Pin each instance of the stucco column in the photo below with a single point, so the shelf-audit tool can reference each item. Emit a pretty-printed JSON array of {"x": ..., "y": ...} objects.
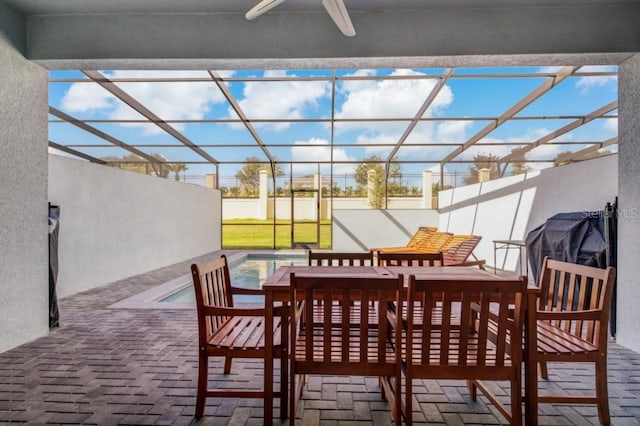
[
  {"x": 628, "y": 292},
  {"x": 371, "y": 187},
  {"x": 210, "y": 180},
  {"x": 484, "y": 175},
  {"x": 263, "y": 193},
  {"x": 427, "y": 190},
  {"x": 24, "y": 244}
]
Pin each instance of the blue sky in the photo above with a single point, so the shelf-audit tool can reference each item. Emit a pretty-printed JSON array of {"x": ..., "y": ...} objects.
[{"x": 362, "y": 99}]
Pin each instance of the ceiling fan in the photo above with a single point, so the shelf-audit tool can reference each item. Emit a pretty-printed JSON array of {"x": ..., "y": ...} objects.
[{"x": 335, "y": 8}]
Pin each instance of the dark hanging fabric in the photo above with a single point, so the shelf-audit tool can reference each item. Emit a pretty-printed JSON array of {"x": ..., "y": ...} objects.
[
  {"x": 54, "y": 228},
  {"x": 611, "y": 237}
]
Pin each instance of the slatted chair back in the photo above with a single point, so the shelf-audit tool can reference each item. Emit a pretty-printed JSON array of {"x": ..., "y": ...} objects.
[
  {"x": 333, "y": 346},
  {"x": 410, "y": 259},
  {"x": 568, "y": 287},
  {"x": 570, "y": 320},
  {"x": 459, "y": 248},
  {"x": 327, "y": 258},
  {"x": 422, "y": 233},
  {"x": 434, "y": 243},
  {"x": 212, "y": 284},
  {"x": 469, "y": 335}
]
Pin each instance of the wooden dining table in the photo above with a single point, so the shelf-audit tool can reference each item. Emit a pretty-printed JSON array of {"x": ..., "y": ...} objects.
[{"x": 277, "y": 290}]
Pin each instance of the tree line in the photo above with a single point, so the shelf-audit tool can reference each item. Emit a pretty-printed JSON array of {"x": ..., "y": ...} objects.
[{"x": 248, "y": 176}]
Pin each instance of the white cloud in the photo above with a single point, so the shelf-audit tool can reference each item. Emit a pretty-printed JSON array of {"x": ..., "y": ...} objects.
[
  {"x": 86, "y": 97},
  {"x": 431, "y": 133},
  {"x": 611, "y": 124},
  {"x": 598, "y": 68},
  {"x": 530, "y": 135},
  {"x": 549, "y": 70},
  {"x": 390, "y": 99},
  {"x": 168, "y": 100},
  {"x": 452, "y": 131},
  {"x": 280, "y": 100},
  {"x": 316, "y": 149},
  {"x": 588, "y": 82},
  {"x": 548, "y": 152}
]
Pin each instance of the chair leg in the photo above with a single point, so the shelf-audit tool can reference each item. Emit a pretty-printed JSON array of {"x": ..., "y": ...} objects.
[
  {"x": 292, "y": 398},
  {"x": 398, "y": 398},
  {"x": 516, "y": 399},
  {"x": 473, "y": 390},
  {"x": 544, "y": 373},
  {"x": 602, "y": 392},
  {"x": 203, "y": 375},
  {"x": 227, "y": 364},
  {"x": 531, "y": 391},
  {"x": 284, "y": 379},
  {"x": 408, "y": 395}
]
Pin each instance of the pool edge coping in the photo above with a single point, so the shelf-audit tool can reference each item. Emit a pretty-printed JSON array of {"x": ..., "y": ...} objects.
[{"x": 150, "y": 298}]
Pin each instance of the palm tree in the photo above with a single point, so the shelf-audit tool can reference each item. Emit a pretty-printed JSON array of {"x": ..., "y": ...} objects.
[{"x": 177, "y": 168}]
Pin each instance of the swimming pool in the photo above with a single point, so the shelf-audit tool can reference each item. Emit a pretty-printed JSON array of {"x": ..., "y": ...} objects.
[{"x": 249, "y": 272}]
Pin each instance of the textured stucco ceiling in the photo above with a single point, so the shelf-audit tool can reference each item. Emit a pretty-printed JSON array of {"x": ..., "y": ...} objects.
[{"x": 39, "y": 7}]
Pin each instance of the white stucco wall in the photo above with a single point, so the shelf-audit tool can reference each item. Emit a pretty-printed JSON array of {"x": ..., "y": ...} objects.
[
  {"x": 360, "y": 230},
  {"x": 24, "y": 284},
  {"x": 115, "y": 223},
  {"x": 508, "y": 208},
  {"x": 628, "y": 298},
  {"x": 238, "y": 208}
]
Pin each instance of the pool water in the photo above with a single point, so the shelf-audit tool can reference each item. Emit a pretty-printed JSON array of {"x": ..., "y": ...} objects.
[{"x": 251, "y": 272}]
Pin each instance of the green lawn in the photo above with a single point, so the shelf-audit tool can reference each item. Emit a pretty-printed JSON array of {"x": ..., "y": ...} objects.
[{"x": 245, "y": 234}]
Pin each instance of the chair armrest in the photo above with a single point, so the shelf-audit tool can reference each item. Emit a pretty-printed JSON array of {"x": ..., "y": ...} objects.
[
  {"x": 589, "y": 314},
  {"x": 244, "y": 312},
  {"x": 233, "y": 311},
  {"x": 247, "y": 291}
]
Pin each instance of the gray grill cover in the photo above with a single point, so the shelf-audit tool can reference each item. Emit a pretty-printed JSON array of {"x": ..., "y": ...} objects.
[{"x": 570, "y": 237}]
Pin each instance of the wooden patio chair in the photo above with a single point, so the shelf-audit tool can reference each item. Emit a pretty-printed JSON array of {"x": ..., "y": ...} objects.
[
  {"x": 410, "y": 259},
  {"x": 334, "y": 346},
  {"x": 328, "y": 258},
  {"x": 419, "y": 235},
  {"x": 231, "y": 332},
  {"x": 457, "y": 342},
  {"x": 571, "y": 319}
]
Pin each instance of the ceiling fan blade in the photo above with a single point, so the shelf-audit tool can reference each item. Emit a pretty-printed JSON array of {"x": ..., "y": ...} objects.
[
  {"x": 262, "y": 7},
  {"x": 338, "y": 12}
]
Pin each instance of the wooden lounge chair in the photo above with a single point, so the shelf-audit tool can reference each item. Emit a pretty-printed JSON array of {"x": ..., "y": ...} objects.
[
  {"x": 571, "y": 321},
  {"x": 422, "y": 233},
  {"x": 334, "y": 346},
  {"x": 456, "y": 343},
  {"x": 456, "y": 248},
  {"x": 458, "y": 251},
  {"x": 231, "y": 332},
  {"x": 432, "y": 243}
]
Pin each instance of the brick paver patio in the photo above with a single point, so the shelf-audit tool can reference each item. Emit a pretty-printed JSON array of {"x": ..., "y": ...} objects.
[{"x": 138, "y": 366}]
